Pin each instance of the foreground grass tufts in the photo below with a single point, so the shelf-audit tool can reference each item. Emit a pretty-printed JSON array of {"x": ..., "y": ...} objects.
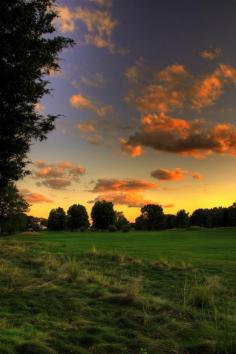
[{"x": 110, "y": 302}]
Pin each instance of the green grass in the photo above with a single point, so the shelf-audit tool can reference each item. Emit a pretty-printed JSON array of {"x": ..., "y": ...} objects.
[{"x": 110, "y": 293}]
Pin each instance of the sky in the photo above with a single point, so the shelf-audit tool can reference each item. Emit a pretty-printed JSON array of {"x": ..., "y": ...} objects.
[{"x": 147, "y": 105}]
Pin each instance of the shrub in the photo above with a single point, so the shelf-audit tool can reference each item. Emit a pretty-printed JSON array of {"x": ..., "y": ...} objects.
[
  {"x": 112, "y": 228},
  {"x": 126, "y": 228}
]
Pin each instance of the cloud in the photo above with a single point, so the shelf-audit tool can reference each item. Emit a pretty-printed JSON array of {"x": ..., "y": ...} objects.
[
  {"x": 99, "y": 23},
  {"x": 125, "y": 185},
  {"x": 65, "y": 21},
  {"x": 174, "y": 88},
  {"x": 196, "y": 138},
  {"x": 130, "y": 149},
  {"x": 94, "y": 140},
  {"x": 86, "y": 127},
  {"x": 96, "y": 80},
  {"x": 169, "y": 175},
  {"x": 105, "y": 3},
  {"x": 81, "y": 102},
  {"x": 131, "y": 200},
  {"x": 207, "y": 91},
  {"x": 34, "y": 198},
  {"x": 57, "y": 176},
  {"x": 55, "y": 183},
  {"x": 197, "y": 176},
  {"x": 178, "y": 174},
  {"x": 211, "y": 54}
]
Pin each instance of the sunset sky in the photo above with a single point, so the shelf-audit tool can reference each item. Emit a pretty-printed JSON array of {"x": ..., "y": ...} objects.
[{"x": 148, "y": 105}]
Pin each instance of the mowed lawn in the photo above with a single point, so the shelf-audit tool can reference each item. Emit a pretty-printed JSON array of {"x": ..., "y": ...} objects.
[
  {"x": 168, "y": 292},
  {"x": 206, "y": 248}
]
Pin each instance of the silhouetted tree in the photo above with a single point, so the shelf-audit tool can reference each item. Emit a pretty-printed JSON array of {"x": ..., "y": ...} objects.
[
  {"x": 77, "y": 217},
  {"x": 103, "y": 215},
  {"x": 28, "y": 52},
  {"x": 57, "y": 220},
  {"x": 121, "y": 222},
  {"x": 169, "y": 221},
  {"x": 153, "y": 216},
  {"x": 12, "y": 209},
  {"x": 232, "y": 215},
  {"x": 140, "y": 223},
  {"x": 182, "y": 219},
  {"x": 201, "y": 217}
]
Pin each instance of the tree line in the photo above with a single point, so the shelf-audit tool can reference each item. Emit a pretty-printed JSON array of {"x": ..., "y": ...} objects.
[
  {"x": 152, "y": 217},
  {"x": 103, "y": 216},
  {"x": 13, "y": 217}
]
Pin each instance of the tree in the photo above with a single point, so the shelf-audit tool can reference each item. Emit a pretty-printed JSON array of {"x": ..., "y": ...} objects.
[
  {"x": 77, "y": 217},
  {"x": 153, "y": 216},
  {"x": 182, "y": 219},
  {"x": 232, "y": 215},
  {"x": 140, "y": 223},
  {"x": 103, "y": 215},
  {"x": 12, "y": 209},
  {"x": 121, "y": 222},
  {"x": 169, "y": 221},
  {"x": 201, "y": 217},
  {"x": 28, "y": 52},
  {"x": 57, "y": 220}
]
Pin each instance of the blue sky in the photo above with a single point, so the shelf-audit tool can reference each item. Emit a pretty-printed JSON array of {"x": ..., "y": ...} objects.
[{"x": 150, "y": 86}]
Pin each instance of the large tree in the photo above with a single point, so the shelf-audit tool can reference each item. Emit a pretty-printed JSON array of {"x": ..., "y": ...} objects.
[
  {"x": 103, "y": 215},
  {"x": 29, "y": 50},
  {"x": 153, "y": 216},
  {"x": 77, "y": 217},
  {"x": 57, "y": 220},
  {"x": 182, "y": 219}
]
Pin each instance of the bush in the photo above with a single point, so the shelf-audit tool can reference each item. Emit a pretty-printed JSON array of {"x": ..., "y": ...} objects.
[
  {"x": 112, "y": 228},
  {"x": 126, "y": 228},
  {"x": 83, "y": 229}
]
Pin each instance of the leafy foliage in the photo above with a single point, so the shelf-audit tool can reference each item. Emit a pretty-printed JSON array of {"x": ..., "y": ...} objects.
[
  {"x": 28, "y": 52},
  {"x": 12, "y": 209},
  {"x": 103, "y": 215},
  {"x": 57, "y": 220},
  {"x": 77, "y": 217},
  {"x": 182, "y": 219}
]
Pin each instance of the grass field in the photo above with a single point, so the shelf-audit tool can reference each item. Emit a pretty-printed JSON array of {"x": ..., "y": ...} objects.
[{"x": 110, "y": 293}]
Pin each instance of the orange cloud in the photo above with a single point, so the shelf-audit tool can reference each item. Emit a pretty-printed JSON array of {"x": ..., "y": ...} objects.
[
  {"x": 125, "y": 185},
  {"x": 197, "y": 176},
  {"x": 81, "y": 102},
  {"x": 55, "y": 183},
  {"x": 195, "y": 138},
  {"x": 211, "y": 54},
  {"x": 207, "y": 92},
  {"x": 86, "y": 127},
  {"x": 174, "y": 88},
  {"x": 65, "y": 21},
  {"x": 132, "y": 150},
  {"x": 131, "y": 200},
  {"x": 34, "y": 198},
  {"x": 99, "y": 23},
  {"x": 57, "y": 176},
  {"x": 169, "y": 175}
]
